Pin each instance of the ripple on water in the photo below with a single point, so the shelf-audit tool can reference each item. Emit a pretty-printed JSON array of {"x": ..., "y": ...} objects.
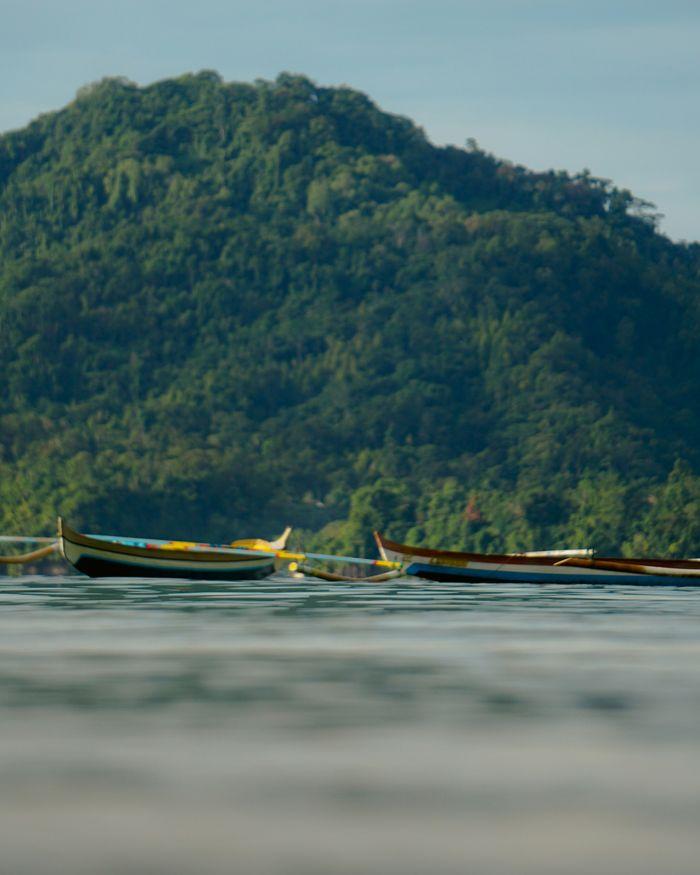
[{"x": 289, "y": 726}]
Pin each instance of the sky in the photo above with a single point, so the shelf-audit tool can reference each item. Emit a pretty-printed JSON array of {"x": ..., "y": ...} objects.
[{"x": 608, "y": 85}]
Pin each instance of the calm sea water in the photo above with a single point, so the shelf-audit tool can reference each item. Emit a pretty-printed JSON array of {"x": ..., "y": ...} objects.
[{"x": 291, "y": 727}]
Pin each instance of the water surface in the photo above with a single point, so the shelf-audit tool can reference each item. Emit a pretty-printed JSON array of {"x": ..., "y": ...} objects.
[{"x": 310, "y": 728}]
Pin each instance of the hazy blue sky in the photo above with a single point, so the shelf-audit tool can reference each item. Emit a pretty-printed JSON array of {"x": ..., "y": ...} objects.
[{"x": 612, "y": 85}]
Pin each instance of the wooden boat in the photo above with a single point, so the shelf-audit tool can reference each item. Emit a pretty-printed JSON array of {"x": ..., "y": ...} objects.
[
  {"x": 547, "y": 567},
  {"x": 115, "y": 556}
]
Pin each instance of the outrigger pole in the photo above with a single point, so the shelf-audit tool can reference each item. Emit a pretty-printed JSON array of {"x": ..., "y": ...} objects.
[
  {"x": 329, "y": 557},
  {"x": 24, "y": 558},
  {"x": 296, "y": 560},
  {"x": 25, "y": 539},
  {"x": 392, "y": 569}
]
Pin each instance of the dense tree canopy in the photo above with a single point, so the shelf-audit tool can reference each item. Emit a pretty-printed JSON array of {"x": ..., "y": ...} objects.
[{"x": 227, "y": 306}]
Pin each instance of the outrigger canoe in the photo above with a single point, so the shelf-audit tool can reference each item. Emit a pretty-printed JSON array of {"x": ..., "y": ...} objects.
[
  {"x": 115, "y": 556},
  {"x": 558, "y": 566}
]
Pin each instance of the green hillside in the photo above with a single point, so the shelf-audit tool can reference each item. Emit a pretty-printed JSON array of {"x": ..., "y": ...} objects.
[{"x": 224, "y": 307}]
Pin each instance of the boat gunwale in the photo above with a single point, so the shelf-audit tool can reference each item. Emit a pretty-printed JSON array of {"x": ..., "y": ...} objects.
[{"x": 65, "y": 532}]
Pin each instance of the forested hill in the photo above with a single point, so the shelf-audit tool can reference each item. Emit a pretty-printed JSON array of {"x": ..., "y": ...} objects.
[{"x": 224, "y": 307}]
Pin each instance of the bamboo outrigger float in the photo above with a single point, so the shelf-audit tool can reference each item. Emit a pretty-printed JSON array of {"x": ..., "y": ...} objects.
[{"x": 555, "y": 566}]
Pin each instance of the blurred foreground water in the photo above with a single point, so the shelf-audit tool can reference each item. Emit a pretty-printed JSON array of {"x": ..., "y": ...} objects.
[{"x": 300, "y": 728}]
